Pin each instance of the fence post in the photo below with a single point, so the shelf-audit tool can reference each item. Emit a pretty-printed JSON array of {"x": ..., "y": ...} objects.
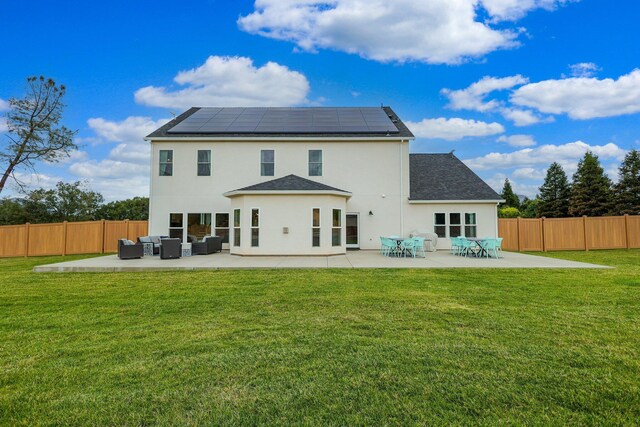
[
  {"x": 584, "y": 227},
  {"x": 64, "y": 238},
  {"x": 544, "y": 246},
  {"x": 102, "y": 236},
  {"x": 518, "y": 228},
  {"x": 626, "y": 230},
  {"x": 26, "y": 240},
  {"x": 126, "y": 227}
]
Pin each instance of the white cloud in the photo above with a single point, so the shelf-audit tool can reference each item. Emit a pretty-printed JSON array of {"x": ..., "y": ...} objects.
[
  {"x": 566, "y": 154},
  {"x": 453, "y": 129},
  {"x": 4, "y": 105},
  {"x": 434, "y": 31},
  {"x": 518, "y": 140},
  {"x": 230, "y": 82},
  {"x": 584, "y": 69},
  {"x": 497, "y": 182},
  {"x": 3, "y": 125},
  {"x": 124, "y": 172},
  {"x": 132, "y": 129},
  {"x": 529, "y": 173},
  {"x": 523, "y": 117},
  {"x": 581, "y": 97},
  {"x": 472, "y": 97},
  {"x": 515, "y": 9}
]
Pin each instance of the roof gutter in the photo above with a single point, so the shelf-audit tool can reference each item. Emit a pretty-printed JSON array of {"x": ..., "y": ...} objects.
[
  {"x": 236, "y": 193},
  {"x": 276, "y": 138},
  {"x": 439, "y": 202}
]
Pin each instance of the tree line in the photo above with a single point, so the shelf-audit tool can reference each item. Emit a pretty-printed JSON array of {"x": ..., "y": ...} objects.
[
  {"x": 590, "y": 192},
  {"x": 69, "y": 202}
]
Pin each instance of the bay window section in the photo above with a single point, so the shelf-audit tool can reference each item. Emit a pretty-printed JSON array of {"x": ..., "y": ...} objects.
[
  {"x": 236, "y": 227},
  {"x": 176, "y": 225},
  {"x": 440, "y": 225},
  {"x": 267, "y": 162},
  {"x": 204, "y": 162},
  {"x": 455, "y": 228},
  {"x": 166, "y": 163},
  {"x": 315, "y": 228},
  {"x": 255, "y": 227},
  {"x": 336, "y": 230},
  {"x": 470, "y": 225},
  {"x": 198, "y": 225},
  {"x": 222, "y": 226}
]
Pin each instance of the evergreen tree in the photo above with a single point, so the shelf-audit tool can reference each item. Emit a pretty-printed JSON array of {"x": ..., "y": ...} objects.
[
  {"x": 591, "y": 189},
  {"x": 529, "y": 207},
  {"x": 554, "y": 193},
  {"x": 627, "y": 190},
  {"x": 511, "y": 200}
]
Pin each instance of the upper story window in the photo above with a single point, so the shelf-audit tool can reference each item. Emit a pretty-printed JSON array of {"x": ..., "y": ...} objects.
[
  {"x": 267, "y": 162},
  {"x": 315, "y": 162},
  {"x": 204, "y": 162},
  {"x": 166, "y": 162}
]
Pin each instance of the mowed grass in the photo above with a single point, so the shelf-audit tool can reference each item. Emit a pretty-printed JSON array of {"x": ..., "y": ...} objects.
[{"x": 322, "y": 347}]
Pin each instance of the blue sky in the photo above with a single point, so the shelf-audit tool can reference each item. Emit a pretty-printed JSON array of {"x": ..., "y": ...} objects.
[{"x": 511, "y": 85}]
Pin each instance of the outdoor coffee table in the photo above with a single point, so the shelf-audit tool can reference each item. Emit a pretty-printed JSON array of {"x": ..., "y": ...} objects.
[
  {"x": 148, "y": 249},
  {"x": 186, "y": 249}
]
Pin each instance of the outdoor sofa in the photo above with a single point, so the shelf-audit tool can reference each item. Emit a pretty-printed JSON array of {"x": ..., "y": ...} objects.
[
  {"x": 208, "y": 245},
  {"x": 129, "y": 250},
  {"x": 152, "y": 239}
]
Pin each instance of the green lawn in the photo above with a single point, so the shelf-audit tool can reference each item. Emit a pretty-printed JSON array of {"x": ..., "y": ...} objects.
[{"x": 331, "y": 347}]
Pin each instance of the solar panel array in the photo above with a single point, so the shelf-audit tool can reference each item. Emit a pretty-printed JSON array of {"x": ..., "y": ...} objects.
[{"x": 254, "y": 120}]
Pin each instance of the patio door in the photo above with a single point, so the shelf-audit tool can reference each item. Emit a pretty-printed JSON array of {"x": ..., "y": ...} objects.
[{"x": 353, "y": 235}]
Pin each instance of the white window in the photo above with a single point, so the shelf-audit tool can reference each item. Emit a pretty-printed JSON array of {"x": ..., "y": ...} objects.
[
  {"x": 315, "y": 162},
  {"x": 222, "y": 226},
  {"x": 176, "y": 225},
  {"x": 470, "y": 225},
  {"x": 455, "y": 228},
  {"x": 255, "y": 227},
  {"x": 336, "y": 230},
  {"x": 204, "y": 162},
  {"x": 315, "y": 227},
  {"x": 453, "y": 222},
  {"x": 236, "y": 227},
  {"x": 267, "y": 162},
  {"x": 198, "y": 225},
  {"x": 440, "y": 225},
  {"x": 166, "y": 163}
]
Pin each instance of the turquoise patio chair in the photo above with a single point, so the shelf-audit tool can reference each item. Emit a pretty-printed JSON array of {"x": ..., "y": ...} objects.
[
  {"x": 418, "y": 246},
  {"x": 406, "y": 247},
  {"x": 454, "y": 246},
  {"x": 466, "y": 247},
  {"x": 489, "y": 245},
  {"x": 388, "y": 247},
  {"x": 499, "y": 246}
]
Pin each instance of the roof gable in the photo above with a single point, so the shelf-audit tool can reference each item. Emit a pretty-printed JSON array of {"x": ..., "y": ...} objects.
[
  {"x": 445, "y": 177},
  {"x": 290, "y": 183}
]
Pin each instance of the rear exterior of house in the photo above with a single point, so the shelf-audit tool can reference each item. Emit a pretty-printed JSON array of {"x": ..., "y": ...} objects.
[{"x": 307, "y": 181}]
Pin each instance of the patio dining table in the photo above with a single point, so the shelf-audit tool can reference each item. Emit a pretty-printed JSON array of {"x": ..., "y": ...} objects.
[
  {"x": 399, "y": 241},
  {"x": 480, "y": 250}
]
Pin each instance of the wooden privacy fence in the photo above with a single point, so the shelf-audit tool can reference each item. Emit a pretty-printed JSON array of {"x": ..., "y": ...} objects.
[
  {"x": 67, "y": 238},
  {"x": 564, "y": 234}
]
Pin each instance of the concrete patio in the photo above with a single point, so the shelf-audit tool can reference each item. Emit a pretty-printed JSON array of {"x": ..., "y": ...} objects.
[{"x": 353, "y": 259}]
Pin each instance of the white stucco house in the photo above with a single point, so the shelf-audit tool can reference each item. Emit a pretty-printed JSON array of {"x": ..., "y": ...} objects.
[{"x": 307, "y": 181}]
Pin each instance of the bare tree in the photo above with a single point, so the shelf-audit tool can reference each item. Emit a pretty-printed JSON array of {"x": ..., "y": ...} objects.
[{"x": 34, "y": 132}]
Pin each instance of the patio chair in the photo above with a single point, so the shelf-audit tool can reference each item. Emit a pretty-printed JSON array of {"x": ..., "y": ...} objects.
[
  {"x": 388, "y": 246},
  {"x": 466, "y": 247},
  {"x": 208, "y": 245},
  {"x": 418, "y": 246},
  {"x": 170, "y": 248},
  {"x": 407, "y": 247},
  {"x": 129, "y": 250},
  {"x": 499, "y": 246},
  {"x": 455, "y": 245},
  {"x": 489, "y": 245}
]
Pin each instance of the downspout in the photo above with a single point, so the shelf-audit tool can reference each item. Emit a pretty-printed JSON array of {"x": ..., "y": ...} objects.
[{"x": 401, "y": 189}]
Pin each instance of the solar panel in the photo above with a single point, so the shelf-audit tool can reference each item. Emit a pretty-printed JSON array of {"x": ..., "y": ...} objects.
[{"x": 325, "y": 120}]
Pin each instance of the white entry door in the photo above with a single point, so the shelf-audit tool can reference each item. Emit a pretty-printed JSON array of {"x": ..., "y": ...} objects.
[{"x": 353, "y": 234}]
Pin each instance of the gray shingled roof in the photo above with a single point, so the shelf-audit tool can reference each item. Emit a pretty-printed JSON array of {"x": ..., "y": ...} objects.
[
  {"x": 290, "y": 183},
  {"x": 162, "y": 132},
  {"x": 445, "y": 177}
]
